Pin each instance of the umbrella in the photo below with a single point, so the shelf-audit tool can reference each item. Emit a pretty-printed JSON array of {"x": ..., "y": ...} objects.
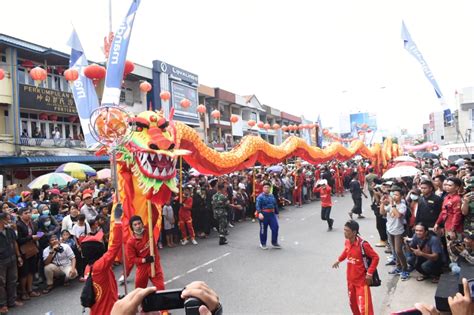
[
  {"x": 429, "y": 155},
  {"x": 459, "y": 162},
  {"x": 404, "y": 158},
  {"x": 49, "y": 179},
  {"x": 104, "y": 173},
  {"x": 414, "y": 164},
  {"x": 76, "y": 170},
  {"x": 402, "y": 171},
  {"x": 275, "y": 169}
]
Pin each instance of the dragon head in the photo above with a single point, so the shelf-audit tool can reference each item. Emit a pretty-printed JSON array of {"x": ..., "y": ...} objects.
[{"x": 152, "y": 151}]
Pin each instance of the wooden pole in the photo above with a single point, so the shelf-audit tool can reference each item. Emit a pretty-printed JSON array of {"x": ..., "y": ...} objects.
[
  {"x": 253, "y": 185},
  {"x": 151, "y": 240},
  {"x": 180, "y": 179}
]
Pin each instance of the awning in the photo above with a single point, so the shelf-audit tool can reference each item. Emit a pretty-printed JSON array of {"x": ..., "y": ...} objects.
[{"x": 53, "y": 159}]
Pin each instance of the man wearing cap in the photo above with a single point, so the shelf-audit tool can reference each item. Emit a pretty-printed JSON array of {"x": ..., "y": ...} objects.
[
  {"x": 267, "y": 211},
  {"x": 358, "y": 276},
  {"x": 88, "y": 209},
  {"x": 326, "y": 203},
  {"x": 138, "y": 252},
  {"x": 9, "y": 258}
]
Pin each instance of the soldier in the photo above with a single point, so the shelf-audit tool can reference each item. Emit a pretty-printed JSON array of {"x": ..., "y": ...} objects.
[{"x": 220, "y": 204}]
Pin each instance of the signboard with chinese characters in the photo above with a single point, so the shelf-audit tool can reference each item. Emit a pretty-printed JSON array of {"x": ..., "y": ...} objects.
[
  {"x": 180, "y": 91},
  {"x": 47, "y": 100}
]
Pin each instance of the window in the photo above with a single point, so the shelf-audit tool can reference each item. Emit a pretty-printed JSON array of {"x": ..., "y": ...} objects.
[{"x": 22, "y": 76}]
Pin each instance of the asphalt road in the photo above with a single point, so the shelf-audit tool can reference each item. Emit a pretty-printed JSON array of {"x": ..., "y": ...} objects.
[{"x": 297, "y": 279}]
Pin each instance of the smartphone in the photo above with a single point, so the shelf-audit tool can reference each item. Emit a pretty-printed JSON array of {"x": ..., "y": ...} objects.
[
  {"x": 412, "y": 311},
  {"x": 470, "y": 282},
  {"x": 163, "y": 300}
]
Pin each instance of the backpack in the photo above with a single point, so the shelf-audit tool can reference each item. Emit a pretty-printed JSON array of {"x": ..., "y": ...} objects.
[
  {"x": 88, "y": 292},
  {"x": 376, "y": 282}
]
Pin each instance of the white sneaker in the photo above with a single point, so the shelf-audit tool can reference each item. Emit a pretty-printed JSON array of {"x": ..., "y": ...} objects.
[
  {"x": 121, "y": 280},
  {"x": 184, "y": 242},
  {"x": 160, "y": 246},
  {"x": 253, "y": 220},
  {"x": 263, "y": 247},
  {"x": 194, "y": 241},
  {"x": 230, "y": 225}
]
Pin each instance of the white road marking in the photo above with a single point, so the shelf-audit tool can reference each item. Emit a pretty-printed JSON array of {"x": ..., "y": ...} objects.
[{"x": 197, "y": 268}]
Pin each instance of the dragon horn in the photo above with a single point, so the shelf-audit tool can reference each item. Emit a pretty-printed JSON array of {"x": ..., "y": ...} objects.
[{"x": 171, "y": 114}]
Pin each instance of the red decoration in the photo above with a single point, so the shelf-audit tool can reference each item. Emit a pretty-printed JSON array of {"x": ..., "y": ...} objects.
[
  {"x": 95, "y": 73},
  {"x": 325, "y": 132},
  {"x": 145, "y": 86},
  {"x": 369, "y": 130},
  {"x": 360, "y": 132},
  {"x": 234, "y": 119},
  {"x": 251, "y": 123},
  {"x": 71, "y": 75},
  {"x": 2, "y": 74},
  {"x": 43, "y": 116},
  {"x": 267, "y": 126},
  {"x": 38, "y": 74},
  {"x": 284, "y": 128},
  {"x": 276, "y": 126},
  {"x": 129, "y": 67},
  {"x": 165, "y": 96},
  {"x": 21, "y": 174},
  {"x": 201, "y": 109},
  {"x": 216, "y": 114},
  {"x": 260, "y": 124},
  {"x": 53, "y": 117},
  {"x": 72, "y": 119},
  {"x": 300, "y": 127},
  {"x": 185, "y": 103},
  {"x": 59, "y": 70},
  {"x": 27, "y": 64}
]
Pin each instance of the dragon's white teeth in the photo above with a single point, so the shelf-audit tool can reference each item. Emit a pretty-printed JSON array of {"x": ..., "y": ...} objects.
[
  {"x": 159, "y": 157},
  {"x": 152, "y": 156},
  {"x": 148, "y": 168},
  {"x": 156, "y": 172},
  {"x": 144, "y": 157},
  {"x": 163, "y": 173},
  {"x": 168, "y": 158},
  {"x": 170, "y": 172}
]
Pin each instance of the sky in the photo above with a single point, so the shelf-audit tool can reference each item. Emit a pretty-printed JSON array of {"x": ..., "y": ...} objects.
[{"x": 304, "y": 57}]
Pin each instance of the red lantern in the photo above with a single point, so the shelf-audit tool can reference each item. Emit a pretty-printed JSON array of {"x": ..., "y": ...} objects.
[
  {"x": 216, "y": 114},
  {"x": 284, "y": 128},
  {"x": 185, "y": 103},
  {"x": 300, "y": 127},
  {"x": 95, "y": 73},
  {"x": 325, "y": 132},
  {"x": 145, "y": 86},
  {"x": 38, "y": 74},
  {"x": 43, "y": 116},
  {"x": 276, "y": 126},
  {"x": 27, "y": 64},
  {"x": 251, "y": 123},
  {"x": 201, "y": 109},
  {"x": 369, "y": 130},
  {"x": 360, "y": 132},
  {"x": 165, "y": 96},
  {"x": 71, "y": 75},
  {"x": 267, "y": 126},
  {"x": 129, "y": 67},
  {"x": 234, "y": 119},
  {"x": 2, "y": 74},
  {"x": 260, "y": 124},
  {"x": 53, "y": 117},
  {"x": 71, "y": 119}
]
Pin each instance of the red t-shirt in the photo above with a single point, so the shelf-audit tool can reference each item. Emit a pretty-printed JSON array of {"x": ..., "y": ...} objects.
[
  {"x": 325, "y": 194},
  {"x": 355, "y": 265}
]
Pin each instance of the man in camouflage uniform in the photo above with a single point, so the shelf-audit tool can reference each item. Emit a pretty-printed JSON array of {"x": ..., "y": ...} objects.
[{"x": 220, "y": 204}]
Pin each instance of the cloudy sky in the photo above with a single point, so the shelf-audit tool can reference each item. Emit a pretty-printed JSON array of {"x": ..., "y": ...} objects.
[{"x": 304, "y": 57}]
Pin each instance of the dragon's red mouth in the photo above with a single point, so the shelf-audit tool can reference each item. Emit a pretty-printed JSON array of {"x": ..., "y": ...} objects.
[{"x": 156, "y": 165}]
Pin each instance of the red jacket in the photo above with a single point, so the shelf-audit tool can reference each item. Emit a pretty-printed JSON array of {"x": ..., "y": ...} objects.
[
  {"x": 105, "y": 285},
  {"x": 139, "y": 248},
  {"x": 356, "y": 272},
  {"x": 451, "y": 213},
  {"x": 185, "y": 210},
  {"x": 325, "y": 194}
]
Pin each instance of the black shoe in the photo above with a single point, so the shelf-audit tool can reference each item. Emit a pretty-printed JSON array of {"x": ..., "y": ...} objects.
[
  {"x": 276, "y": 246},
  {"x": 331, "y": 222},
  {"x": 222, "y": 240},
  {"x": 391, "y": 263}
]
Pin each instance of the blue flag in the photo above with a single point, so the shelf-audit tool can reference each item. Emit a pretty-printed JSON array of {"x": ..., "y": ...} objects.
[
  {"x": 83, "y": 89},
  {"x": 117, "y": 55},
  {"x": 411, "y": 47}
]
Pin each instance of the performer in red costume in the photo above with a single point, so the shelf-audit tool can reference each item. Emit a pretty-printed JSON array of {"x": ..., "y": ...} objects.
[
  {"x": 339, "y": 181},
  {"x": 100, "y": 264},
  {"x": 299, "y": 181},
  {"x": 185, "y": 219},
  {"x": 138, "y": 253},
  {"x": 358, "y": 277},
  {"x": 361, "y": 172}
]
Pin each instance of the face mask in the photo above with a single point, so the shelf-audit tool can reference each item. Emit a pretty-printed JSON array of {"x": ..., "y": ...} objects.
[
  {"x": 391, "y": 194},
  {"x": 47, "y": 223},
  {"x": 35, "y": 216},
  {"x": 45, "y": 212},
  {"x": 139, "y": 231},
  {"x": 414, "y": 197}
]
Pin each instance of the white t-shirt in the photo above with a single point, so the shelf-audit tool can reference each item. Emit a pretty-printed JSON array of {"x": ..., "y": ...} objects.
[
  {"x": 78, "y": 231},
  {"x": 60, "y": 259}
]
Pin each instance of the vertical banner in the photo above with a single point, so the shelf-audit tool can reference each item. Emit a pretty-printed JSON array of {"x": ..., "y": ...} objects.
[
  {"x": 117, "y": 55},
  {"x": 83, "y": 89},
  {"x": 319, "y": 135},
  {"x": 411, "y": 47}
]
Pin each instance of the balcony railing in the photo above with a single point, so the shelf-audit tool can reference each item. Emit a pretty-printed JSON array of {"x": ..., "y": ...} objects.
[{"x": 52, "y": 143}]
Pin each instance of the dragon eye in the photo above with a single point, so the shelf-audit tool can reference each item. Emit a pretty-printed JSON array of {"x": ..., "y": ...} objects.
[
  {"x": 153, "y": 118},
  {"x": 139, "y": 129}
]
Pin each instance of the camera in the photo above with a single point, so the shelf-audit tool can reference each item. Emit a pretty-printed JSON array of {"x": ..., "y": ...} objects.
[
  {"x": 59, "y": 249},
  {"x": 170, "y": 299}
]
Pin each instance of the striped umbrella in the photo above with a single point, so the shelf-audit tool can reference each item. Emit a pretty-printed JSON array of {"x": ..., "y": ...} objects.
[
  {"x": 76, "y": 170},
  {"x": 104, "y": 173},
  {"x": 49, "y": 179}
]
